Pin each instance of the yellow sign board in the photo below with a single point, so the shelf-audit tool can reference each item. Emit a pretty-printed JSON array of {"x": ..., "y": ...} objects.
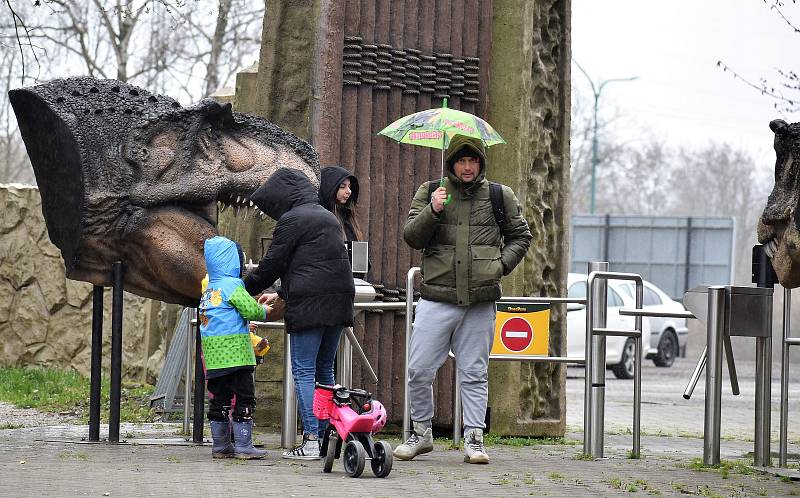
[{"x": 521, "y": 329}]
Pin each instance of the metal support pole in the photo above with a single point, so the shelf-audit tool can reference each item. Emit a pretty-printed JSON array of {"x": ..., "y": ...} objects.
[
  {"x": 116, "y": 352},
  {"x": 595, "y": 355},
  {"x": 457, "y": 429},
  {"x": 97, "y": 363},
  {"x": 191, "y": 317},
  {"x": 714, "y": 331},
  {"x": 409, "y": 321},
  {"x": 199, "y": 386},
  {"x": 344, "y": 360},
  {"x": 787, "y": 315},
  {"x": 355, "y": 346},
  {"x": 698, "y": 369},
  {"x": 289, "y": 412},
  {"x": 637, "y": 376},
  {"x": 761, "y": 443}
]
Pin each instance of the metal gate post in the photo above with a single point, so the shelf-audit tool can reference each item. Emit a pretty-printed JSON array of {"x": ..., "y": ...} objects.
[
  {"x": 761, "y": 444},
  {"x": 187, "y": 376},
  {"x": 289, "y": 412},
  {"x": 787, "y": 315},
  {"x": 595, "y": 371},
  {"x": 115, "y": 392},
  {"x": 96, "y": 362},
  {"x": 409, "y": 326},
  {"x": 344, "y": 362},
  {"x": 715, "y": 330}
]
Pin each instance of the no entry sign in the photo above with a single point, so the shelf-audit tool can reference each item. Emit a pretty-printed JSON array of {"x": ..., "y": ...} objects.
[
  {"x": 516, "y": 334},
  {"x": 521, "y": 329}
]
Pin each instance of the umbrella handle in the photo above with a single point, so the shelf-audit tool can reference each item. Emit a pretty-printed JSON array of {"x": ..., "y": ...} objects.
[{"x": 449, "y": 196}]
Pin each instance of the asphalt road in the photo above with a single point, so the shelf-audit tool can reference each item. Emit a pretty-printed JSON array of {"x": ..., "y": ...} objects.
[{"x": 666, "y": 412}]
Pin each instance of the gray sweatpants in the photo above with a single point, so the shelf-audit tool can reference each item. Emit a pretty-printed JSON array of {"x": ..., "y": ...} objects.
[{"x": 468, "y": 331}]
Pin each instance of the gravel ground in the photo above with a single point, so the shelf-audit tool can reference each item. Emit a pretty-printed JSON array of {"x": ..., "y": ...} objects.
[{"x": 13, "y": 417}]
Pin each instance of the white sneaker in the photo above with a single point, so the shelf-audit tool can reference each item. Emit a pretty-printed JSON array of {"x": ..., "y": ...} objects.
[
  {"x": 474, "y": 451},
  {"x": 420, "y": 441},
  {"x": 307, "y": 450}
]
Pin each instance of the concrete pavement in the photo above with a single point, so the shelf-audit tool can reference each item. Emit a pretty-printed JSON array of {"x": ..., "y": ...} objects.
[{"x": 156, "y": 461}]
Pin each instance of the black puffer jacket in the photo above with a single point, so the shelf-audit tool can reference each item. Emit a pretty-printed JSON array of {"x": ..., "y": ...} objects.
[
  {"x": 306, "y": 253},
  {"x": 331, "y": 178}
]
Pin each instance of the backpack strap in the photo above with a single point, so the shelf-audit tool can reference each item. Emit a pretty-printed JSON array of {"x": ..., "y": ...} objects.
[
  {"x": 432, "y": 186},
  {"x": 498, "y": 204}
]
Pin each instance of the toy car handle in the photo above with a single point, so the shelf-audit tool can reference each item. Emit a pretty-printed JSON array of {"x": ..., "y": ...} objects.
[
  {"x": 327, "y": 387},
  {"x": 355, "y": 392}
]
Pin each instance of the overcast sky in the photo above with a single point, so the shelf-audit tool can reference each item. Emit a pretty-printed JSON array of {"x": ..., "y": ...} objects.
[{"x": 673, "y": 47}]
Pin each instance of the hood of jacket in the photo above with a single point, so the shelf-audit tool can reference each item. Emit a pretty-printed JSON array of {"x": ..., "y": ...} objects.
[
  {"x": 457, "y": 143},
  {"x": 222, "y": 258},
  {"x": 285, "y": 189},
  {"x": 331, "y": 178}
]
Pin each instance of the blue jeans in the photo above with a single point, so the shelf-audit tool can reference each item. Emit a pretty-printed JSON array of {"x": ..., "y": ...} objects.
[{"x": 313, "y": 353}]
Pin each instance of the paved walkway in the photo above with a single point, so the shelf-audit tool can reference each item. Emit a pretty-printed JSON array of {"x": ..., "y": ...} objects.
[{"x": 156, "y": 461}]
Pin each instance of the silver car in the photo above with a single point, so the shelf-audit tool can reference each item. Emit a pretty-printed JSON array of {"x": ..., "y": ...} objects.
[
  {"x": 620, "y": 351},
  {"x": 668, "y": 336}
]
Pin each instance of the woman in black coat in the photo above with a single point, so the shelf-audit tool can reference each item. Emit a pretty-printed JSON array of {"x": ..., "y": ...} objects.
[
  {"x": 338, "y": 193},
  {"x": 308, "y": 256}
]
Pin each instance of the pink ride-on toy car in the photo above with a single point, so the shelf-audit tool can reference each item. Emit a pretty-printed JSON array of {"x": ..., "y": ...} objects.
[{"x": 354, "y": 418}]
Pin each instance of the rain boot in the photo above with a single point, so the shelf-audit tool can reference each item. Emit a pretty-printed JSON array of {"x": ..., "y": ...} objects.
[
  {"x": 221, "y": 434},
  {"x": 243, "y": 434}
]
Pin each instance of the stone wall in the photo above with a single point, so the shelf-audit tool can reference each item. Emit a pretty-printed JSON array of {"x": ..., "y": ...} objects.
[{"x": 46, "y": 319}]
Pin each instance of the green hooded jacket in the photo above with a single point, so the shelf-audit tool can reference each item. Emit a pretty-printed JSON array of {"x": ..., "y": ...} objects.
[{"x": 465, "y": 252}]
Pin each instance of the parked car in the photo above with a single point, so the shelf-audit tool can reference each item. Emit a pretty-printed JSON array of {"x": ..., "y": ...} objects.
[
  {"x": 668, "y": 336},
  {"x": 619, "y": 350}
]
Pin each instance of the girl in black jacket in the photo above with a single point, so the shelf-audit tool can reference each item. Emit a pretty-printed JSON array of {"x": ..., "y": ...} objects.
[
  {"x": 338, "y": 193},
  {"x": 308, "y": 255}
]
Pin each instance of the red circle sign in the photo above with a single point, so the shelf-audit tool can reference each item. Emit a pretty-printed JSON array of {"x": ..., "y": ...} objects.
[{"x": 516, "y": 334}]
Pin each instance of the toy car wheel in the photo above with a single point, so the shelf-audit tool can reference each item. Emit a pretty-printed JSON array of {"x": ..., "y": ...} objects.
[
  {"x": 330, "y": 454},
  {"x": 382, "y": 459},
  {"x": 354, "y": 458}
]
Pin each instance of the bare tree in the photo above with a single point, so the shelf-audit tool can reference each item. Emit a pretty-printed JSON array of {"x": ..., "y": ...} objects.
[
  {"x": 581, "y": 136},
  {"x": 724, "y": 182},
  {"x": 184, "y": 48},
  {"x": 786, "y": 92},
  {"x": 638, "y": 182}
]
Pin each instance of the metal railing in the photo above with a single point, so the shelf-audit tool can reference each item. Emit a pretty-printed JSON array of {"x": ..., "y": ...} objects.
[
  {"x": 785, "y": 345},
  {"x": 595, "y": 366}
]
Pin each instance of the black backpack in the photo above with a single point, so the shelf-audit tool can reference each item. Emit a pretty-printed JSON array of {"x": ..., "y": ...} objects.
[{"x": 495, "y": 195}]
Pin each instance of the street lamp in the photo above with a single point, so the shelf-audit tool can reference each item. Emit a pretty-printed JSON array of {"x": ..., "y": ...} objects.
[{"x": 596, "y": 91}]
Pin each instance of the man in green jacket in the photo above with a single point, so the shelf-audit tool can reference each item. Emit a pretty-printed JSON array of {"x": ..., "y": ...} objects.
[{"x": 465, "y": 252}]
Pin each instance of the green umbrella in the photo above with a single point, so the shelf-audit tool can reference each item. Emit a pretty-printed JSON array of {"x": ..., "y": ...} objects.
[{"x": 436, "y": 127}]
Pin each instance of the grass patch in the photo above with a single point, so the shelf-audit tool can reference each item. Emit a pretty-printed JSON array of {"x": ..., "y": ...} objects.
[
  {"x": 495, "y": 439},
  {"x": 725, "y": 467},
  {"x": 10, "y": 425},
  {"x": 555, "y": 476},
  {"x": 584, "y": 456},
  {"x": 635, "y": 486},
  {"x": 74, "y": 455},
  {"x": 56, "y": 391}
]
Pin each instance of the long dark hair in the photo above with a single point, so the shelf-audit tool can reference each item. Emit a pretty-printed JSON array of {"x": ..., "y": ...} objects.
[{"x": 346, "y": 214}]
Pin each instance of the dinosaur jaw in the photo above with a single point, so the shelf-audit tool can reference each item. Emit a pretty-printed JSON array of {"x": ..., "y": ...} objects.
[{"x": 782, "y": 241}]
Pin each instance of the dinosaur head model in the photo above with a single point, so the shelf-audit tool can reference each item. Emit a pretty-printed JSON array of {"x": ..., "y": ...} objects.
[
  {"x": 779, "y": 225},
  {"x": 129, "y": 176}
]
